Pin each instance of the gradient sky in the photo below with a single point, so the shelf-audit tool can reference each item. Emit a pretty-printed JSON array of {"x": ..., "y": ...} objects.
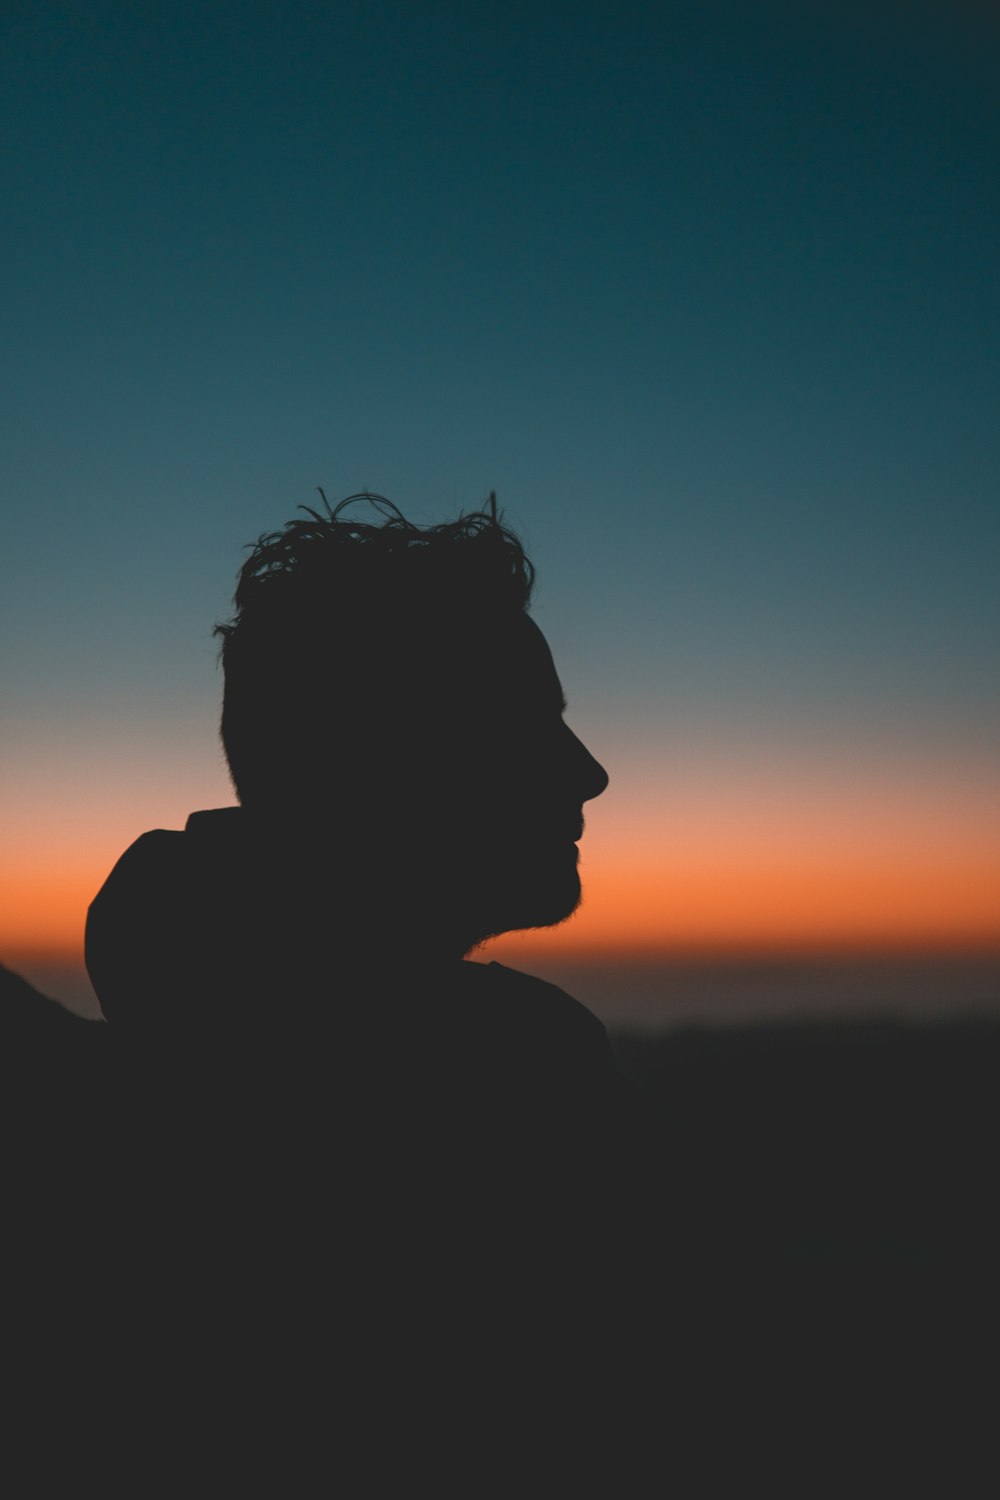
[{"x": 706, "y": 291}]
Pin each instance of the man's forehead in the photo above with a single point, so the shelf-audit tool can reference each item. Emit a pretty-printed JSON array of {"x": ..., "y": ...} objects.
[
  {"x": 485, "y": 666},
  {"x": 523, "y": 666}
]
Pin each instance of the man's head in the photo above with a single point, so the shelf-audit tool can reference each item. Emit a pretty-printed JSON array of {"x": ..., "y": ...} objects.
[{"x": 390, "y": 701}]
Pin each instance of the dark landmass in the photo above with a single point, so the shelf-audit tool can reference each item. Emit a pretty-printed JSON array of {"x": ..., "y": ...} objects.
[
  {"x": 860, "y": 1143},
  {"x": 872, "y": 1145},
  {"x": 26, "y": 1013},
  {"x": 821, "y": 1199}
]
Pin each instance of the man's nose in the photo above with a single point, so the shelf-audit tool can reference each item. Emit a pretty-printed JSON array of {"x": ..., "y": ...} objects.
[{"x": 593, "y": 778}]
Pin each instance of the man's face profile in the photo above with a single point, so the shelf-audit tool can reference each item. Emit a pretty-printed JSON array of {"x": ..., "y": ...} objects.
[
  {"x": 511, "y": 817},
  {"x": 393, "y": 718}
]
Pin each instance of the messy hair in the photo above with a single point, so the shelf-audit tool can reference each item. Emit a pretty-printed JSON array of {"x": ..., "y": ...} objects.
[{"x": 334, "y": 607}]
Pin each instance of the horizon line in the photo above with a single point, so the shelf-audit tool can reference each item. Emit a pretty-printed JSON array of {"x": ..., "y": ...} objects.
[{"x": 536, "y": 943}]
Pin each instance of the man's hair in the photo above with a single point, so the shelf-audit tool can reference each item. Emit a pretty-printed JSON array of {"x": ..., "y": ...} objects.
[{"x": 339, "y": 620}]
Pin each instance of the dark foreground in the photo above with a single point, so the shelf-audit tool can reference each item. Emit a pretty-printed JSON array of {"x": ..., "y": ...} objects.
[
  {"x": 864, "y": 1145},
  {"x": 829, "y": 1201},
  {"x": 822, "y": 1205}
]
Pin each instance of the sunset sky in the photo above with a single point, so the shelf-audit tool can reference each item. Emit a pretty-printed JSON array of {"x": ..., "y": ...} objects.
[{"x": 706, "y": 291}]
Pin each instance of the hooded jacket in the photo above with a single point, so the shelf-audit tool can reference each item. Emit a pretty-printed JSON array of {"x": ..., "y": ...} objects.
[
  {"x": 212, "y": 960},
  {"x": 202, "y": 931},
  {"x": 335, "y": 1173}
]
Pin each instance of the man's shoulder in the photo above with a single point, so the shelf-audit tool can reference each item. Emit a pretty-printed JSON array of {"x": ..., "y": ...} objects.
[
  {"x": 540, "y": 1009},
  {"x": 544, "y": 997}
]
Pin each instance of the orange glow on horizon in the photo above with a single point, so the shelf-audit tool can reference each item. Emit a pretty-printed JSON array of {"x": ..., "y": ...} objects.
[
  {"x": 640, "y": 906},
  {"x": 682, "y": 857}
]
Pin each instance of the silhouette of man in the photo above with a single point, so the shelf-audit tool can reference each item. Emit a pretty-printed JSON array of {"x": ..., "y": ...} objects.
[
  {"x": 408, "y": 787},
  {"x": 312, "y": 1055},
  {"x": 349, "y": 1158}
]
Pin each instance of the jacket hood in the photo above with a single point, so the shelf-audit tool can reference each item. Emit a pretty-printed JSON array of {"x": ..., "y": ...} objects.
[{"x": 161, "y": 933}]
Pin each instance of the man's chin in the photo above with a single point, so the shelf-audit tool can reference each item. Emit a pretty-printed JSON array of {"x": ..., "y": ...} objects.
[{"x": 541, "y": 907}]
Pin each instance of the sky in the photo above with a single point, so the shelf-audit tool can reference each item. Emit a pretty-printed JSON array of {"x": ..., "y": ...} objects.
[{"x": 705, "y": 291}]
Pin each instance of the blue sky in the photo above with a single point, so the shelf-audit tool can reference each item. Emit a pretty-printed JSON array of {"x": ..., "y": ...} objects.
[{"x": 706, "y": 292}]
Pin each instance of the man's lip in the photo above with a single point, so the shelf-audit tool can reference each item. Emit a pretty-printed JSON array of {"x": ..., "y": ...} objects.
[{"x": 556, "y": 833}]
